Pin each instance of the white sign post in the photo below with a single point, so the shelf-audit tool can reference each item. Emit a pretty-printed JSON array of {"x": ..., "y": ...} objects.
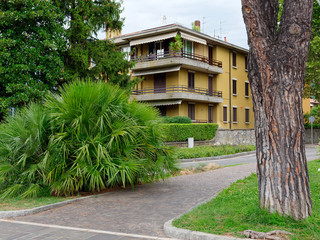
[
  {"x": 190, "y": 142},
  {"x": 311, "y": 119}
]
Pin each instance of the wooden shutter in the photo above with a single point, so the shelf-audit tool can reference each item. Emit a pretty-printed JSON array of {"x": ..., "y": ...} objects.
[
  {"x": 246, "y": 89},
  {"x": 191, "y": 80},
  {"x": 247, "y": 115},
  {"x": 235, "y": 115},
  {"x": 234, "y": 87},
  {"x": 191, "y": 111},
  {"x": 159, "y": 83},
  {"x": 225, "y": 114},
  {"x": 234, "y": 59},
  {"x": 210, "y": 114},
  {"x": 210, "y": 88}
]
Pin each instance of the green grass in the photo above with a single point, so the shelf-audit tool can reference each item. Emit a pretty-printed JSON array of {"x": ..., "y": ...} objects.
[
  {"x": 237, "y": 209},
  {"x": 12, "y": 204},
  {"x": 209, "y": 151}
]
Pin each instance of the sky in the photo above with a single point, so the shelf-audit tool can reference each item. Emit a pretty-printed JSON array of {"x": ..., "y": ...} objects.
[{"x": 219, "y": 18}]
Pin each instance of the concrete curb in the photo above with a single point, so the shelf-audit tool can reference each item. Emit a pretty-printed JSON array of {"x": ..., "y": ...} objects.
[
  {"x": 179, "y": 233},
  {"x": 215, "y": 158},
  {"x": 20, "y": 213}
]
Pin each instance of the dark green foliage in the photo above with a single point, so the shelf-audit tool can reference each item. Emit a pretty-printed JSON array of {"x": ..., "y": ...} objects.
[
  {"x": 314, "y": 112},
  {"x": 87, "y": 56},
  {"x": 181, "y": 132},
  {"x": 176, "y": 119},
  {"x": 86, "y": 139},
  {"x": 237, "y": 209},
  {"x": 31, "y": 40}
]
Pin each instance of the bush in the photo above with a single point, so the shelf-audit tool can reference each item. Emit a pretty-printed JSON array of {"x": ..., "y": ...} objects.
[
  {"x": 86, "y": 139},
  {"x": 176, "y": 119},
  {"x": 181, "y": 132}
]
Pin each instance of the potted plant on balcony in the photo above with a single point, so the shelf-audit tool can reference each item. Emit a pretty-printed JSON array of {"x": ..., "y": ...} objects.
[{"x": 176, "y": 46}]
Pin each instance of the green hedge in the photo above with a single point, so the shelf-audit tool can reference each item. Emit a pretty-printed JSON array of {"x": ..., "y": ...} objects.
[{"x": 181, "y": 132}]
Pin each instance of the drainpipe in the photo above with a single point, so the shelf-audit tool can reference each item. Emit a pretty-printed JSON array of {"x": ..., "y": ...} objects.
[{"x": 230, "y": 54}]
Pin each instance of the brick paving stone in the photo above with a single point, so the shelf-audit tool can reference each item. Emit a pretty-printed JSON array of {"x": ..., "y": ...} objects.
[{"x": 144, "y": 210}]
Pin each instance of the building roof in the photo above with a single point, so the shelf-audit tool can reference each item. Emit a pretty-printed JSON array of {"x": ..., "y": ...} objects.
[{"x": 166, "y": 29}]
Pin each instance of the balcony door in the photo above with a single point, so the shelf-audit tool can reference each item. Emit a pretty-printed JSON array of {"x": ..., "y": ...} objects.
[
  {"x": 210, "y": 88},
  {"x": 210, "y": 114},
  {"x": 210, "y": 54},
  {"x": 159, "y": 83}
]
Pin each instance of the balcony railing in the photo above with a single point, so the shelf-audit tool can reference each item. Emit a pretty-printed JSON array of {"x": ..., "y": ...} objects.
[
  {"x": 202, "y": 91},
  {"x": 173, "y": 54}
]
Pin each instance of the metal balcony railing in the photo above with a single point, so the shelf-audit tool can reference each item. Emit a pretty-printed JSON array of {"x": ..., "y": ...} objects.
[
  {"x": 174, "y": 54},
  {"x": 179, "y": 88}
]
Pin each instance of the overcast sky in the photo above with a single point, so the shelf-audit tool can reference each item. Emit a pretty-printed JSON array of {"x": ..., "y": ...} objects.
[{"x": 221, "y": 17}]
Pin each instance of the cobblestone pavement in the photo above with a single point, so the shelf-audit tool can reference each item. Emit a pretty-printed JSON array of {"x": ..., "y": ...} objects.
[
  {"x": 34, "y": 231},
  {"x": 142, "y": 211}
]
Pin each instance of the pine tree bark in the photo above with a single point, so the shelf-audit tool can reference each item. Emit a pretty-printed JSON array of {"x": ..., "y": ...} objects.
[{"x": 277, "y": 62}]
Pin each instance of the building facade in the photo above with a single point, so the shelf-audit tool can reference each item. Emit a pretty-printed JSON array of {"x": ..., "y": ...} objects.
[{"x": 206, "y": 80}]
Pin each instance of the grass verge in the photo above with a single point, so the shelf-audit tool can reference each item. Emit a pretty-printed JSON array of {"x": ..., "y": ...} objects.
[
  {"x": 237, "y": 209},
  {"x": 13, "y": 204},
  {"x": 209, "y": 151}
]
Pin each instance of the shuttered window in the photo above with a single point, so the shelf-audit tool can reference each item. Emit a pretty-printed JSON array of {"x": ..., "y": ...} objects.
[
  {"x": 234, "y": 59},
  {"x": 191, "y": 80},
  {"x": 191, "y": 111},
  {"x": 246, "y": 89},
  {"x": 234, "y": 86},
  {"x": 225, "y": 114},
  {"x": 247, "y": 115},
  {"x": 235, "y": 118},
  {"x": 246, "y": 62}
]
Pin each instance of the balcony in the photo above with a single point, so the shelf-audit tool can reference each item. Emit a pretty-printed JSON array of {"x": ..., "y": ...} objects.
[
  {"x": 178, "y": 92},
  {"x": 168, "y": 59}
]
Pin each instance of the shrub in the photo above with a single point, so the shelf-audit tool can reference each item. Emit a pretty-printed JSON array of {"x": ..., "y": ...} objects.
[
  {"x": 176, "y": 119},
  {"x": 86, "y": 139},
  {"x": 181, "y": 132}
]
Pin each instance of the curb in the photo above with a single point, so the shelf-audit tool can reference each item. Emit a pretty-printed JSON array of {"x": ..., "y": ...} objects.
[
  {"x": 215, "y": 158},
  {"x": 179, "y": 233},
  {"x": 25, "y": 212}
]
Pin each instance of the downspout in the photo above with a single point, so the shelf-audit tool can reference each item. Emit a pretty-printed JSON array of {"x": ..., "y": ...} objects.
[{"x": 230, "y": 52}]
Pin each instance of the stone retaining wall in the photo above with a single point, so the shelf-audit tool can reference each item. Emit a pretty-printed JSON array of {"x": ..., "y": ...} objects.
[{"x": 240, "y": 137}]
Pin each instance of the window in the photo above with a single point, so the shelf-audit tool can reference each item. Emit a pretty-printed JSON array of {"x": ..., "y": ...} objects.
[
  {"x": 191, "y": 111},
  {"x": 210, "y": 114},
  {"x": 247, "y": 115},
  {"x": 210, "y": 85},
  {"x": 246, "y": 63},
  {"x": 235, "y": 120},
  {"x": 234, "y": 59},
  {"x": 234, "y": 86},
  {"x": 225, "y": 113},
  {"x": 246, "y": 90},
  {"x": 188, "y": 48},
  {"x": 191, "y": 80}
]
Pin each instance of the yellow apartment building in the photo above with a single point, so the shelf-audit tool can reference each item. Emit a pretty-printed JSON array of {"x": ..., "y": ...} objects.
[{"x": 207, "y": 80}]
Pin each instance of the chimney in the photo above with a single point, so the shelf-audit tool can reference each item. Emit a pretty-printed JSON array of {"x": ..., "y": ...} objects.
[
  {"x": 225, "y": 39},
  {"x": 197, "y": 25},
  {"x": 112, "y": 33}
]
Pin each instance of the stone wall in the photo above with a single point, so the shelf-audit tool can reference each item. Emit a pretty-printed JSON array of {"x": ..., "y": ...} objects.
[
  {"x": 316, "y": 136},
  {"x": 241, "y": 137},
  {"x": 234, "y": 137},
  {"x": 224, "y": 137}
]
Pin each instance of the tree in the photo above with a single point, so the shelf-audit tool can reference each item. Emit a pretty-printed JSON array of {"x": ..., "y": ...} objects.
[
  {"x": 31, "y": 40},
  {"x": 277, "y": 60},
  {"x": 87, "y": 56},
  {"x": 312, "y": 87}
]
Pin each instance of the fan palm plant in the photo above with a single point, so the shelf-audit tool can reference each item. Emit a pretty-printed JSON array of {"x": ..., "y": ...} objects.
[{"x": 87, "y": 138}]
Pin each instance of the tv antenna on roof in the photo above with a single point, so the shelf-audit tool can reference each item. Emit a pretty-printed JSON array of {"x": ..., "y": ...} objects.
[{"x": 164, "y": 20}]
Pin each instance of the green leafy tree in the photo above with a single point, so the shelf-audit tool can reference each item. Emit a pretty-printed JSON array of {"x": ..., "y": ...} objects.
[
  {"x": 87, "y": 56},
  {"x": 312, "y": 86},
  {"x": 31, "y": 40}
]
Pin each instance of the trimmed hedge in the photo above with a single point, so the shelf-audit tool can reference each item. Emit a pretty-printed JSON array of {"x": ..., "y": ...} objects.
[
  {"x": 176, "y": 119},
  {"x": 181, "y": 132}
]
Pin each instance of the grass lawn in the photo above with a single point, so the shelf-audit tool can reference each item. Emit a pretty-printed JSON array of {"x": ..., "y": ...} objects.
[
  {"x": 209, "y": 151},
  {"x": 12, "y": 204},
  {"x": 237, "y": 209}
]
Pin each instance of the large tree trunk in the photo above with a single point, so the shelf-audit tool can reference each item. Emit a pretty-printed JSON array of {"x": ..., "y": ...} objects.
[{"x": 277, "y": 61}]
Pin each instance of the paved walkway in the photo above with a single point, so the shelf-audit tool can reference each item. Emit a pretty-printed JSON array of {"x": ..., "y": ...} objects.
[{"x": 142, "y": 211}]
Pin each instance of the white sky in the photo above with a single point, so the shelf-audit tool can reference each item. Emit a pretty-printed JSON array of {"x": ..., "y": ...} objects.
[{"x": 221, "y": 17}]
